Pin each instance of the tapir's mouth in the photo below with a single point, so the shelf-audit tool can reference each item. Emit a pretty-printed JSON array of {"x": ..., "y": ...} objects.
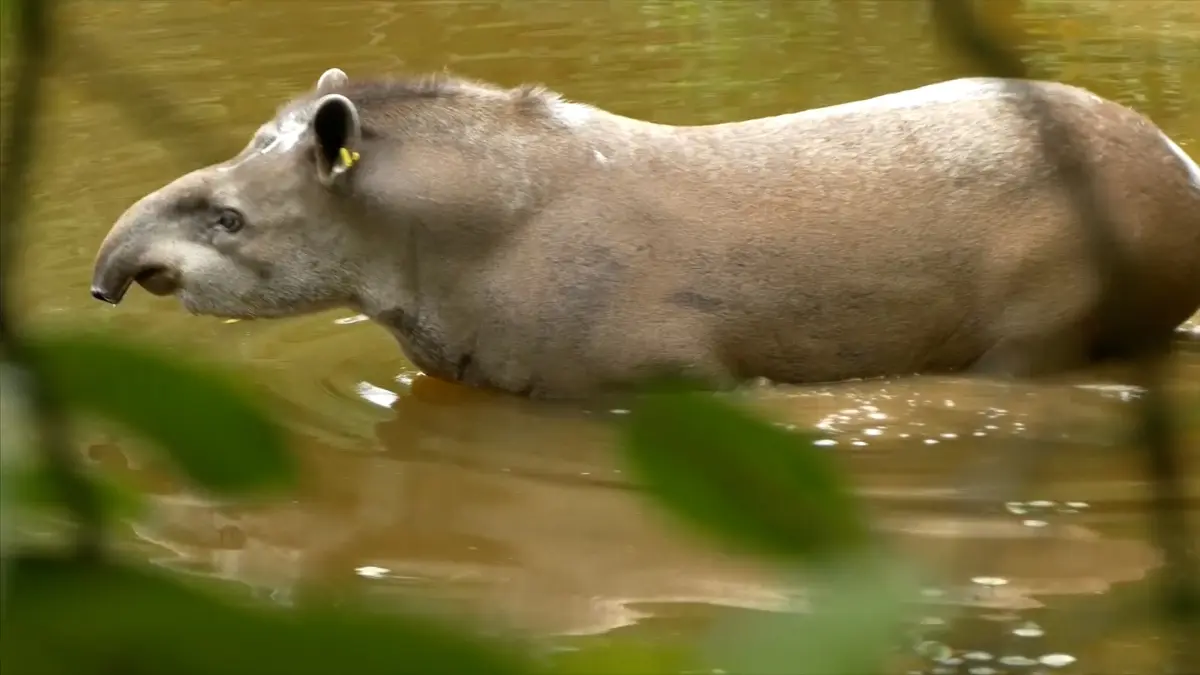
[
  {"x": 111, "y": 286},
  {"x": 157, "y": 281}
]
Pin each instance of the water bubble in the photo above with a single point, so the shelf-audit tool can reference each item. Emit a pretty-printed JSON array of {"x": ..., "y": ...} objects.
[
  {"x": 978, "y": 656},
  {"x": 931, "y": 441},
  {"x": 873, "y": 432},
  {"x": 377, "y": 395},
  {"x": 825, "y": 442},
  {"x": 1042, "y": 503},
  {"x": 948, "y": 435},
  {"x": 371, "y": 571},
  {"x": 1017, "y": 661},
  {"x": 858, "y": 443},
  {"x": 1034, "y": 523},
  {"x": 1015, "y": 508},
  {"x": 877, "y": 416},
  {"x": 989, "y": 581},
  {"x": 982, "y": 670},
  {"x": 619, "y": 411},
  {"x": 934, "y": 650},
  {"x": 1057, "y": 660},
  {"x": 948, "y": 403},
  {"x": 1029, "y": 629},
  {"x": 282, "y": 596},
  {"x": 979, "y": 434},
  {"x": 346, "y": 320},
  {"x": 1077, "y": 505}
]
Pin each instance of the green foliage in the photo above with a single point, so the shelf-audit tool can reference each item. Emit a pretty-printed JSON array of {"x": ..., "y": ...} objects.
[
  {"x": 712, "y": 463},
  {"x": 626, "y": 657},
  {"x": 66, "y": 617},
  {"x": 771, "y": 491},
  {"x": 36, "y": 485},
  {"x": 858, "y": 614},
  {"x": 203, "y": 420},
  {"x": 760, "y": 487}
]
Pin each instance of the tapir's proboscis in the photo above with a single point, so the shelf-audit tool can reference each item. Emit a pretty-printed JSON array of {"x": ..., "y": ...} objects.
[{"x": 513, "y": 240}]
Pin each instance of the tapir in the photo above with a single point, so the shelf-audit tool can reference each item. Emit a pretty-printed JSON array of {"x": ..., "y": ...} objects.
[{"x": 517, "y": 241}]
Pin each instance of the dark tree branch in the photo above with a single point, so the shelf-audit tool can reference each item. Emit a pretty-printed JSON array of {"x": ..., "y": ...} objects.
[
  {"x": 35, "y": 25},
  {"x": 1157, "y": 431}
]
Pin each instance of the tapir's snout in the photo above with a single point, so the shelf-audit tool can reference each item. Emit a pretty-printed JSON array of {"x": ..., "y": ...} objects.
[
  {"x": 116, "y": 266},
  {"x": 127, "y": 256},
  {"x": 114, "y": 276},
  {"x": 108, "y": 294}
]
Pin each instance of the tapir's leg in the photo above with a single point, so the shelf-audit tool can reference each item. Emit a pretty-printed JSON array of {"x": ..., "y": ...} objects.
[{"x": 1029, "y": 356}]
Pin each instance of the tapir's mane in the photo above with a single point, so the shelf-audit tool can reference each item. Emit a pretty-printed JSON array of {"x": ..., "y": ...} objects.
[{"x": 378, "y": 96}]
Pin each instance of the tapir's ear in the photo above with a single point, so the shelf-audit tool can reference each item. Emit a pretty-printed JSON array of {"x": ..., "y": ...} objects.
[
  {"x": 334, "y": 78},
  {"x": 336, "y": 125}
]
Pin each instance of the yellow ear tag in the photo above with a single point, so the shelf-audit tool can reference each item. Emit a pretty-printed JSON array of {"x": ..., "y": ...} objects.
[{"x": 349, "y": 157}]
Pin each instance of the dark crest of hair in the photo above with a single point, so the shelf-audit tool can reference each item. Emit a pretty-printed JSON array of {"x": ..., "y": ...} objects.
[{"x": 379, "y": 94}]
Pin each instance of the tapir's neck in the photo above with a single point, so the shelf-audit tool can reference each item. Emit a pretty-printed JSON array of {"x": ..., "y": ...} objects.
[
  {"x": 413, "y": 303},
  {"x": 424, "y": 341}
]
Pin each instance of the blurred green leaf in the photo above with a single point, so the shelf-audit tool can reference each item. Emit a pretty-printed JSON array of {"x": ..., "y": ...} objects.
[
  {"x": 35, "y": 486},
  {"x": 8, "y": 15},
  {"x": 856, "y": 622},
  {"x": 624, "y": 657},
  {"x": 758, "y": 486},
  {"x": 208, "y": 425},
  {"x": 72, "y": 618}
]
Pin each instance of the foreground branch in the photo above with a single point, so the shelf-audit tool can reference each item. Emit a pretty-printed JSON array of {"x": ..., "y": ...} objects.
[
  {"x": 34, "y": 27},
  {"x": 1157, "y": 432}
]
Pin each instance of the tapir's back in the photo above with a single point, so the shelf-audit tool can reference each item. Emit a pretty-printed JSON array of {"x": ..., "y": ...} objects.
[{"x": 924, "y": 229}]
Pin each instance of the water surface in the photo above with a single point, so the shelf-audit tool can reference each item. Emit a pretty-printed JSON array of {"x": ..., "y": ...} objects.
[{"x": 525, "y": 514}]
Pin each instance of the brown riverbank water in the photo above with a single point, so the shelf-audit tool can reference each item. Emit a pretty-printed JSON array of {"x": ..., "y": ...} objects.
[{"x": 526, "y": 514}]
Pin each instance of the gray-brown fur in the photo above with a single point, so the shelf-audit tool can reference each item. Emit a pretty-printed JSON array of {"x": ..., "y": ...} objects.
[{"x": 515, "y": 241}]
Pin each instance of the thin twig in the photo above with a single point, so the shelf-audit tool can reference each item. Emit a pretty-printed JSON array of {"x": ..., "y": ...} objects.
[{"x": 35, "y": 24}]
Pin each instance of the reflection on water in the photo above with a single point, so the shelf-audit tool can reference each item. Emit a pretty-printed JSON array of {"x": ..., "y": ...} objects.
[{"x": 523, "y": 513}]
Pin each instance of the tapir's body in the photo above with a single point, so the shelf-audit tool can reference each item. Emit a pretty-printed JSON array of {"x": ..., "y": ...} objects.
[{"x": 516, "y": 241}]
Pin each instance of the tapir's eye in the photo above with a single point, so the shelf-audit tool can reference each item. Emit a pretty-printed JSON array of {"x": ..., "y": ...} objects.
[{"x": 230, "y": 220}]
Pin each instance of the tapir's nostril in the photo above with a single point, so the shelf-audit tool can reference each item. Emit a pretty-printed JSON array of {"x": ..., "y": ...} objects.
[{"x": 99, "y": 294}]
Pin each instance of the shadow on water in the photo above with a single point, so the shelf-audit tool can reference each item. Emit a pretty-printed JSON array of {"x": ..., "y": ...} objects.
[{"x": 413, "y": 487}]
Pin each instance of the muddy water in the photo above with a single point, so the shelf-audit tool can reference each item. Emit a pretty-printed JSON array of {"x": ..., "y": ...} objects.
[{"x": 524, "y": 514}]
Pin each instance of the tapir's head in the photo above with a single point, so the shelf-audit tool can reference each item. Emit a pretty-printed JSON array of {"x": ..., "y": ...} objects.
[{"x": 332, "y": 199}]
